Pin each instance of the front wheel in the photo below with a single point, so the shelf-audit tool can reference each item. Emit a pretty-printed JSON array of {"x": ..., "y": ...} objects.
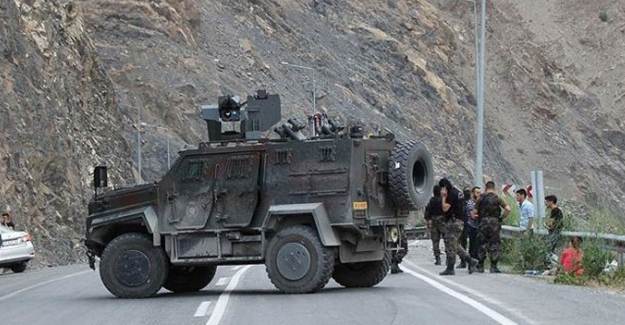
[
  {"x": 19, "y": 268},
  {"x": 297, "y": 261},
  {"x": 362, "y": 274},
  {"x": 189, "y": 278},
  {"x": 131, "y": 267}
]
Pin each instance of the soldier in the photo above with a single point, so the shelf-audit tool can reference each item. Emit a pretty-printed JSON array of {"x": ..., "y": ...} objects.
[
  {"x": 489, "y": 211},
  {"x": 464, "y": 236},
  {"x": 398, "y": 255},
  {"x": 453, "y": 209},
  {"x": 434, "y": 219}
]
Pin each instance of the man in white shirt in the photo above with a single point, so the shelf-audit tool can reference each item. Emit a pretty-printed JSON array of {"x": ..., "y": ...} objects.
[{"x": 526, "y": 207}]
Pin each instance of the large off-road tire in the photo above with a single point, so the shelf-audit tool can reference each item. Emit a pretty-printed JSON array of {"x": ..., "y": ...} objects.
[
  {"x": 362, "y": 274},
  {"x": 189, "y": 278},
  {"x": 297, "y": 262},
  {"x": 19, "y": 267},
  {"x": 131, "y": 267},
  {"x": 411, "y": 175}
]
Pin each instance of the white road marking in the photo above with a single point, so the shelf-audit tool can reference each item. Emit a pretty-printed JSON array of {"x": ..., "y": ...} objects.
[
  {"x": 499, "y": 318},
  {"x": 236, "y": 268},
  {"x": 475, "y": 293},
  {"x": 202, "y": 309},
  {"x": 34, "y": 286},
  {"x": 222, "y": 281},
  {"x": 222, "y": 302}
]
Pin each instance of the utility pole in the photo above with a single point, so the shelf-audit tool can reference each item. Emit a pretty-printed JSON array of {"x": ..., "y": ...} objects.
[
  {"x": 140, "y": 179},
  {"x": 480, "y": 68}
]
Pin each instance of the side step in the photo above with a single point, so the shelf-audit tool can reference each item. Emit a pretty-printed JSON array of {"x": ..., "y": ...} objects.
[{"x": 223, "y": 247}]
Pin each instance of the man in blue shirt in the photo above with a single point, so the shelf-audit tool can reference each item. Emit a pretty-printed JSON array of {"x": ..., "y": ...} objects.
[{"x": 526, "y": 207}]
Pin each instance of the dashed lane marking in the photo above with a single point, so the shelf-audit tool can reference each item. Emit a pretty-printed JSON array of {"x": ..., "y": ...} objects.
[
  {"x": 475, "y": 293},
  {"x": 202, "y": 309},
  {"x": 222, "y": 281},
  {"x": 41, "y": 284},
  {"x": 499, "y": 318},
  {"x": 222, "y": 302}
]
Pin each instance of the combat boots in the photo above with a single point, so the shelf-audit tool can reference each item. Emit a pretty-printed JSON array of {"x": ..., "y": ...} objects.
[
  {"x": 437, "y": 260},
  {"x": 448, "y": 271},
  {"x": 493, "y": 267},
  {"x": 462, "y": 265},
  {"x": 473, "y": 263},
  {"x": 480, "y": 267},
  {"x": 395, "y": 268},
  {"x": 450, "y": 267}
]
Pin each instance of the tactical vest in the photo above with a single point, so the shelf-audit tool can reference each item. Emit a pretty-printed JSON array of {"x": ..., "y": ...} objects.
[{"x": 489, "y": 206}]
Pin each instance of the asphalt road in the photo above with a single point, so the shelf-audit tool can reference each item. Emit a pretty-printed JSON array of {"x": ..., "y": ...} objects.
[{"x": 244, "y": 295}]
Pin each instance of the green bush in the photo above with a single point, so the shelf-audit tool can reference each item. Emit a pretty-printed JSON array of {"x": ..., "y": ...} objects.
[
  {"x": 510, "y": 253},
  {"x": 526, "y": 253},
  {"x": 570, "y": 279},
  {"x": 595, "y": 258}
]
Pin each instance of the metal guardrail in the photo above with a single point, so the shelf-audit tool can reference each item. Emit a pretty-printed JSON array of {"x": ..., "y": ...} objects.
[
  {"x": 614, "y": 243},
  {"x": 416, "y": 232}
]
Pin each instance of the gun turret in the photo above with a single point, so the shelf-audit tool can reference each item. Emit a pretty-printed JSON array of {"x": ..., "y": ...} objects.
[{"x": 254, "y": 116}]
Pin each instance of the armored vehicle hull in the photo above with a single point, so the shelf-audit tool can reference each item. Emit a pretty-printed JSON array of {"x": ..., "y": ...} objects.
[{"x": 309, "y": 210}]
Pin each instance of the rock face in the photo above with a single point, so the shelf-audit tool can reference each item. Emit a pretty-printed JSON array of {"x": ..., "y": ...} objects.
[
  {"x": 76, "y": 76},
  {"x": 58, "y": 117}
]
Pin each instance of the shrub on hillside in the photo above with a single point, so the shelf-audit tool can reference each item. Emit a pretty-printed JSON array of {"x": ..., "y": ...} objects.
[{"x": 595, "y": 258}]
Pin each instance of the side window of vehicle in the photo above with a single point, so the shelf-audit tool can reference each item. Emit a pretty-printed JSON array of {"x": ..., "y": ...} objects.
[{"x": 192, "y": 171}]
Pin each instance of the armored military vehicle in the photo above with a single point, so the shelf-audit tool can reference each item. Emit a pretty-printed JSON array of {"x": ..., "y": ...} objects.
[{"x": 330, "y": 204}]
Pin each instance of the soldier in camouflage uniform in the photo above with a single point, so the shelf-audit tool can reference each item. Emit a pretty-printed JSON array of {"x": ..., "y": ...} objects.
[
  {"x": 435, "y": 222},
  {"x": 453, "y": 209},
  {"x": 489, "y": 208},
  {"x": 398, "y": 256}
]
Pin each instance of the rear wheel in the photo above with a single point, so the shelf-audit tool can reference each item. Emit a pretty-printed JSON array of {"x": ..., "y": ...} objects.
[
  {"x": 297, "y": 262},
  {"x": 131, "y": 267},
  {"x": 362, "y": 274},
  {"x": 19, "y": 268},
  {"x": 189, "y": 278}
]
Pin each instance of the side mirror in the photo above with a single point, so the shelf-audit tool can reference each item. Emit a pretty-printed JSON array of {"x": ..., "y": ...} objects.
[{"x": 100, "y": 177}]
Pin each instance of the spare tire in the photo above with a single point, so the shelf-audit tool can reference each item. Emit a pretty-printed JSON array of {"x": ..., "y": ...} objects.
[{"x": 411, "y": 175}]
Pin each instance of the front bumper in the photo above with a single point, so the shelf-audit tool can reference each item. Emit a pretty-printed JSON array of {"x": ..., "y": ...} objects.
[{"x": 18, "y": 253}]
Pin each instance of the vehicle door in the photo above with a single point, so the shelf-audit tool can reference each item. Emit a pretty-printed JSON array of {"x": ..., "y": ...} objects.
[{"x": 191, "y": 193}]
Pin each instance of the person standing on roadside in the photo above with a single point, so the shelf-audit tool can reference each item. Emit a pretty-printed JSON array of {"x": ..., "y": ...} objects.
[
  {"x": 397, "y": 256},
  {"x": 453, "y": 210},
  {"x": 434, "y": 220},
  {"x": 527, "y": 210},
  {"x": 489, "y": 208},
  {"x": 7, "y": 221},
  {"x": 473, "y": 222},
  {"x": 555, "y": 223},
  {"x": 464, "y": 236}
]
